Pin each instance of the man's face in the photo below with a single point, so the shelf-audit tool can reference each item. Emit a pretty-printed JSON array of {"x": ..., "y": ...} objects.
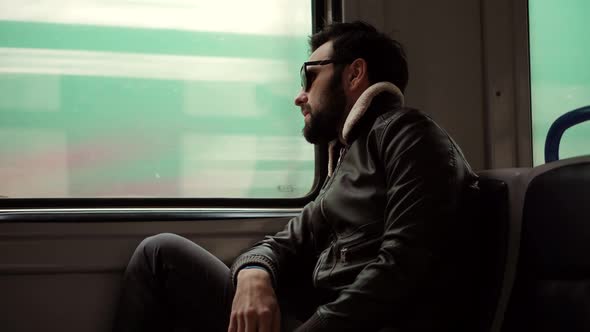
[{"x": 323, "y": 100}]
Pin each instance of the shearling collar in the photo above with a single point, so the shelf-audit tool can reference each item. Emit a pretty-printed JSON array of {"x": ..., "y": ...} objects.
[{"x": 356, "y": 113}]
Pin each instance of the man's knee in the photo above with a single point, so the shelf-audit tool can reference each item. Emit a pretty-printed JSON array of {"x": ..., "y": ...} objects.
[
  {"x": 152, "y": 248},
  {"x": 160, "y": 241}
]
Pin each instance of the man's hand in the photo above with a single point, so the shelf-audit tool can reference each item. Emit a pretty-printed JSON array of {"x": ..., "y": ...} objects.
[{"x": 255, "y": 307}]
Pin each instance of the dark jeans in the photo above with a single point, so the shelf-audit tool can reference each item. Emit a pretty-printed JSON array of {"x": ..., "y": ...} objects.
[{"x": 172, "y": 284}]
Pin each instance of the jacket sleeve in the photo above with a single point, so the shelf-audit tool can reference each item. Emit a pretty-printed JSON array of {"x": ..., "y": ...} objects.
[
  {"x": 285, "y": 250},
  {"x": 422, "y": 184}
]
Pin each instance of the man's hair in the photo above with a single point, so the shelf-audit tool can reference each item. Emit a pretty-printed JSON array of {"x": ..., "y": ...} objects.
[{"x": 385, "y": 57}]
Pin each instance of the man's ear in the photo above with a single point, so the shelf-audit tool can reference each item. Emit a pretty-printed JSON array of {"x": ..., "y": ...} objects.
[{"x": 358, "y": 77}]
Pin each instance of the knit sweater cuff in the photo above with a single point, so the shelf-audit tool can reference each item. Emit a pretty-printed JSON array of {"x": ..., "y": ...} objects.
[{"x": 259, "y": 260}]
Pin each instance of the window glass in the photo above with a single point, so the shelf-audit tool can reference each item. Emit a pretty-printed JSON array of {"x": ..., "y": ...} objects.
[
  {"x": 153, "y": 98},
  {"x": 560, "y": 71}
]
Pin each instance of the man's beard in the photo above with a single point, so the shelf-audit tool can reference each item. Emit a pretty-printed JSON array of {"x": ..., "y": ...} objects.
[{"x": 323, "y": 123}]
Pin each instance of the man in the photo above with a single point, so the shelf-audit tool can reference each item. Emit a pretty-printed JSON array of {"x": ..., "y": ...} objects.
[{"x": 381, "y": 246}]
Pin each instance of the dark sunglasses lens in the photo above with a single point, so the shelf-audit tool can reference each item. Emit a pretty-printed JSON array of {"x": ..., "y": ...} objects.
[{"x": 303, "y": 78}]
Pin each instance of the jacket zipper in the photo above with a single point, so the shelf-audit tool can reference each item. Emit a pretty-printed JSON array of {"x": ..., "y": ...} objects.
[
  {"x": 319, "y": 263},
  {"x": 338, "y": 163},
  {"x": 343, "y": 255},
  {"x": 328, "y": 184},
  {"x": 343, "y": 151},
  {"x": 345, "y": 252}
]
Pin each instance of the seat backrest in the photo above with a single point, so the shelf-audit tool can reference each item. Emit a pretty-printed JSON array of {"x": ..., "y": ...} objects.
[
  {"x": 551, "y": 291},
  {"x": 495, "y": 221}
]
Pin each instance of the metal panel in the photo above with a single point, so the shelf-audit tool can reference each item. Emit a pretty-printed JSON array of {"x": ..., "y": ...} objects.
[
  {"x": 507, "y": 82},
  {"x": 66, "y": 276},
  {"x": 444, "y": 48}
]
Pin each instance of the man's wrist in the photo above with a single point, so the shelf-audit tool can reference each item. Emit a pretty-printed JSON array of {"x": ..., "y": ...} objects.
[{"x": 253, "y": 271}]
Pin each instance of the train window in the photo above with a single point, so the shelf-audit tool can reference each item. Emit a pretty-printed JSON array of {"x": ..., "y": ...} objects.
[
  {"x": 560, "y": 72},
  {"x": 153, "y": 98}
]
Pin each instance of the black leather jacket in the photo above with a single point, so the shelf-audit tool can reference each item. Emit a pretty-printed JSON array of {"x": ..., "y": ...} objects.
[{"x": 384, "y": 236}]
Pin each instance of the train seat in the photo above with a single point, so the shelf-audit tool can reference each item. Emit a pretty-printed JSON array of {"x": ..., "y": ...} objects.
[{"x": 551, "y": 289}]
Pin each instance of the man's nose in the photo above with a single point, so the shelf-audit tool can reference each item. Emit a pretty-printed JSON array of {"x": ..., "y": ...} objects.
[{"x": 301, "y": 98}]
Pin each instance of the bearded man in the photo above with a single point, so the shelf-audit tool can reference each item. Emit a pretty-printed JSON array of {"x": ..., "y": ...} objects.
[{"x": 381, "y": 247}]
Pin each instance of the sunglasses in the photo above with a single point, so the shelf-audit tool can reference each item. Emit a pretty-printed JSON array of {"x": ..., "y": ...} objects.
[{"x": 308, "y": 77}]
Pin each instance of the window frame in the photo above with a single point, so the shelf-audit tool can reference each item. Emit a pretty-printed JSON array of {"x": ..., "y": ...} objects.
[{"x": 175, "y": 208}]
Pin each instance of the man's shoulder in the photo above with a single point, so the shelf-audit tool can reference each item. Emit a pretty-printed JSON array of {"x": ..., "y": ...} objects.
[
  {"x": 404, "y": 128},
  {"x": 407, "y": 121}
]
